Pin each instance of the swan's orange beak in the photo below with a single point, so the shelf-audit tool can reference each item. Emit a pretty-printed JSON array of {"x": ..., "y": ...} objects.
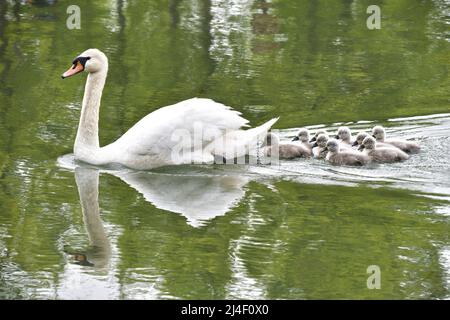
[{"x": 76, "y": 68}]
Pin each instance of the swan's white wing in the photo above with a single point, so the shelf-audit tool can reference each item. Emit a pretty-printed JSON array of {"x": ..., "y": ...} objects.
[{"x": 194, "y": 122}]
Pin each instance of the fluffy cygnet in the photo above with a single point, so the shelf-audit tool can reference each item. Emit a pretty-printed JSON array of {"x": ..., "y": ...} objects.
[
  {"x": 303, "y": 137},
  {"x": 362, "y": 135},
  {"x": 380, "y": 154},
  {"x": 349, "y": 158},
  {"x": 379, "y": 133},
  {"x": 320, "y": 147},
  {"x": 316, "y": 135},
  {"x": 345, "y": 136},
  {"x": 285, "y": 150}
]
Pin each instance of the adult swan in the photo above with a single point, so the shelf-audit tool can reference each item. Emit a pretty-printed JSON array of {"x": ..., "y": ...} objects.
[{"x": 191, "y": 131}]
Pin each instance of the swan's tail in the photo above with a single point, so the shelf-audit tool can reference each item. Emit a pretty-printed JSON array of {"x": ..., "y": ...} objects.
[
  {"x": 261, "y": 131},
  {"x": 257, "y": 136},
  {"x": 240, "y": 143}
]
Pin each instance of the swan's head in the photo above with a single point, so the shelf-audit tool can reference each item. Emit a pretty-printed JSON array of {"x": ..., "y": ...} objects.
[
  {"x": 91, "y": 60},
  {"x": 302, "y": 135},
  {"x": 378, "y": 133},
  {"x": 333, "y": 146},
  {"x": 322, "y": 140},
  {"x": 360, "y": 138},
  {"x": 369, "y": 143},
  {"x": 344, "y": 134}
]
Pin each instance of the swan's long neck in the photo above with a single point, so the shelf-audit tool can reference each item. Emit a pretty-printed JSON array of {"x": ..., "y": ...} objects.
[{"x": 87, "y": 135}]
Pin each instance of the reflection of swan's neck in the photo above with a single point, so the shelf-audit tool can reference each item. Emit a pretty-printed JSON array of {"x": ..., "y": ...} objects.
[
  {"x": 87, "y": 182},
  {"x": 86, "y": 142}
]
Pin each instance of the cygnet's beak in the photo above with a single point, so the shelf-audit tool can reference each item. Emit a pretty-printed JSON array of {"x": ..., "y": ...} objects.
[
  {"x": 77, "y": 67},
  {"x": 315, "y": 145},
  {"x": 312, "y": 140},
  {"x": 374, "y": 136},
  {"x": 296, "y": 138},
  {"x": 337, "y": 136},
  {"x": 355, "y": 144},
  {"x": 361, "y": 148}
]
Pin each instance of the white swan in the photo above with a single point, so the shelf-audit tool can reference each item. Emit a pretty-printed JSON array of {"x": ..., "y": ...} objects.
[{"x": 191, "y": 131}]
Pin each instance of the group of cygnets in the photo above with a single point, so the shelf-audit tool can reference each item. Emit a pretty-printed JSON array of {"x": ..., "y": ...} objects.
[{"x": 343, "y": 149}]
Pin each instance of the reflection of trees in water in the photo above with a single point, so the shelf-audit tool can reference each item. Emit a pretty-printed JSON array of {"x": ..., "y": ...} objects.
[
  {"x": 41, "y": 3},
  {"x": 264, "y": 26},
  {"x": 5, "y": 89}
]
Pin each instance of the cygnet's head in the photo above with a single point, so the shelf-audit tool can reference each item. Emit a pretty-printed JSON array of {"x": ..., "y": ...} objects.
[
  {"x": 302, "y": 135},
  {"x": 344, "y": 134},
  {"x": 360, "y": 138},
  {"x": 322, "y": 140},
  {"x": 333, "y": 145},
  {"x": 318, "y": 132},
  {"x": 378, "y": 133},
  {"x": 91, "y": 60},
  {"x": 369, "y": 143}
]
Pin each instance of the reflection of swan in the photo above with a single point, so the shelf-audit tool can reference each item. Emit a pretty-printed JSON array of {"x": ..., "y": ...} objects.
[
  {"x": 100, "y": 250},
  {"x": 197, "y": 197},
  {"x": 205, "y": 128}
]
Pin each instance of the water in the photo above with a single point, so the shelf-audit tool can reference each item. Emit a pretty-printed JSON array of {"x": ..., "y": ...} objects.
[{"x": 300, "y": 230}]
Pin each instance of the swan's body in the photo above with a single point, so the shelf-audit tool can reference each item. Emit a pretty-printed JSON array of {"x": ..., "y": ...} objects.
[{"x": 191, "y": 131}]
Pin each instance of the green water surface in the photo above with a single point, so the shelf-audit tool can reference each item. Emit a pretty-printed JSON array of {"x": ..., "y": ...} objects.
[{"x": 279, "y": 237}]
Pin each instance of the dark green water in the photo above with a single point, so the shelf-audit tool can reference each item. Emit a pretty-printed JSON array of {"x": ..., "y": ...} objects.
[{"x": 303, "y": 230}]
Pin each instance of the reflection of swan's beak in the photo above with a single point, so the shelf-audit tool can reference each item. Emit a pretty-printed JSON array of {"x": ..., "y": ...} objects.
[{"x": 76, "y": 68}]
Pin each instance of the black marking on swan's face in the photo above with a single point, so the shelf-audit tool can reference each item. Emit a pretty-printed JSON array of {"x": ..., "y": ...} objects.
[{"x": 82, "y": 60}]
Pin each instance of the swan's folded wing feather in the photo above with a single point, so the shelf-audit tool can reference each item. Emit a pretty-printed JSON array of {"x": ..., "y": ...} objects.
[{"x": 194, "y": 122}]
